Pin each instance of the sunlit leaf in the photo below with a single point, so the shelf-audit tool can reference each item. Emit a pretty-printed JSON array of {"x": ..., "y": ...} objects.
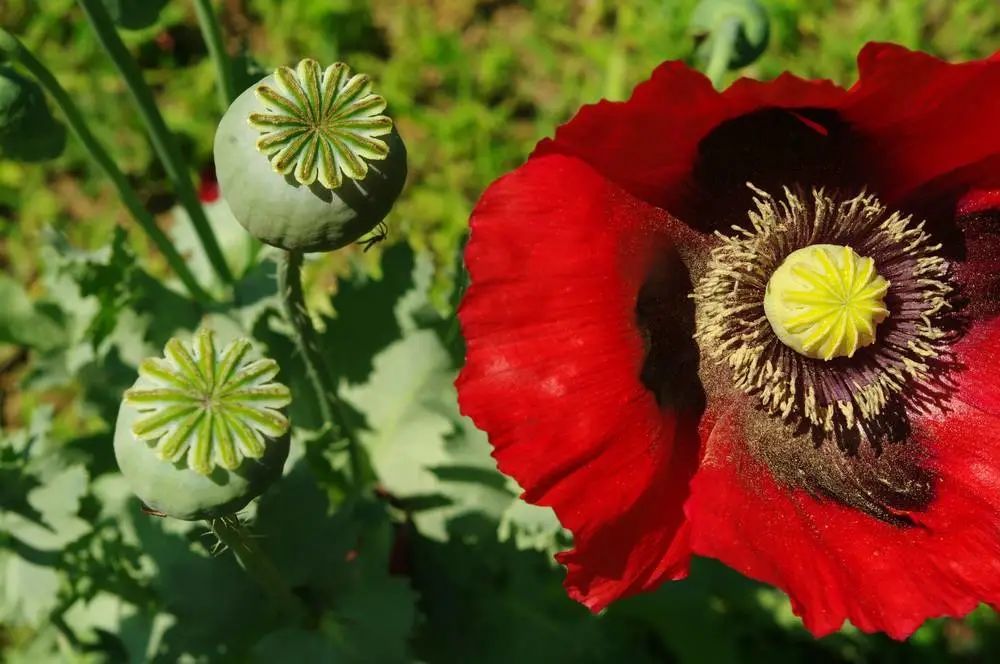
[
  {"x": 24, "y": 322},
  {"x": 366, "y": 320}
]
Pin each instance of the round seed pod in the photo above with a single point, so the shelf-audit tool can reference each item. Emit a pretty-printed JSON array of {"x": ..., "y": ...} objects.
[
  {"x": 28, "y": 132},
  {"x": 202, "y": 432},
  {"x": 306, "y": 159}
]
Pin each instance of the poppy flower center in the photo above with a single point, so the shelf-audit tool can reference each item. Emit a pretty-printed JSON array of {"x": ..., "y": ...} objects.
[
  {"x": 824, "y": 301},
  {"x": 832, "y": 311}
]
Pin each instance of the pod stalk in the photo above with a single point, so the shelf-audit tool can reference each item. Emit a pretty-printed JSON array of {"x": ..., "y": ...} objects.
[
  {"x": 258, "y": 565},
  {"x": 304, "y": 335},
  {"x": 723, "y": 45}
]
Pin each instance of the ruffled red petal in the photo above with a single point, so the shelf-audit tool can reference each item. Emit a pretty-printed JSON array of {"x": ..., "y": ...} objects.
[
  {"x": 979, "y": 356},
  {"x": 649, "y": 144},
  {"x": 920, "y": 118},
  {"x": 979, "y": 201},
  {"x": 557, "y": 256},
  {"x": 909, "y": 120},
  {"x": 837, "y": 563}
]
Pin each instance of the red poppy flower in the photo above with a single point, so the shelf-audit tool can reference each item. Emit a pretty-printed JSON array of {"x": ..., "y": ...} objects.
[{"x": 840, "y": 440}]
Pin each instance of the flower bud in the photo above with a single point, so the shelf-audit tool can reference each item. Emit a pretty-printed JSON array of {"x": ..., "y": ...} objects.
[
  {"x": 202, "y": 432},
  {"x": 306, "y": 159},
  {"x": 751, "y": 37}
]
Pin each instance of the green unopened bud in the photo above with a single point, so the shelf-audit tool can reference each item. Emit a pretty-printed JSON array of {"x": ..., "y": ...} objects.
[
  {"x": 28, "y": 132},
  {"x": 745, "y": 22},
  {"x": 202, "y": 432},
  {"x": 307, "y": 159}
]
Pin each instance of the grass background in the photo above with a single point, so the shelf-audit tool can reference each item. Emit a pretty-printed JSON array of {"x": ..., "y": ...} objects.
[{"x": 473, "y": 85}]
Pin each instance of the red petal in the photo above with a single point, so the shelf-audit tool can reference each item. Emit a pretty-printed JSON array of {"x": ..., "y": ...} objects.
[
  {"x": 921, "y": 118},
  {"x": 646, "y": 144},
  {"x": 909, "y": 120},
  {"x": 979, "y": 201},
  {"x": 837, "y": 563},
  {"x": 785, "y": 91},
  {"x": 979, "y": 356},
  {"x": 649, "y": 144},
  {"x": 554, "y": 354}
]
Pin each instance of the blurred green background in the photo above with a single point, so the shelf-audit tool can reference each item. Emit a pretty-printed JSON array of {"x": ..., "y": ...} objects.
[{"x": 473, "y": 85}]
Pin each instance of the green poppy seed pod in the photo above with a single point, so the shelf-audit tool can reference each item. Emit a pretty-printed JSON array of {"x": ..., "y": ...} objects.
[
  {"x": 28, "y": 132},
  {"x": 202, "y": 431},
  {"x": 306, "y": 159},
  {"x": 751, "y": 37}
]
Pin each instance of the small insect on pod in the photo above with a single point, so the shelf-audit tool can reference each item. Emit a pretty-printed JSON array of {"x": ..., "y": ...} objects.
[
  {"x": 306, "y": 159},
  {"x": 201, "y": 433}
]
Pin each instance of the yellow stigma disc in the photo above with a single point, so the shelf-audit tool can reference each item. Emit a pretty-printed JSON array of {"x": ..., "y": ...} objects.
[{"x": 824, "y": 301}]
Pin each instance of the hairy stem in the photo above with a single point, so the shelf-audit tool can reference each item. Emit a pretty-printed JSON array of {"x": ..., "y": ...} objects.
[
  {"x": 17, "y": 52},
  {"x": 237, "y": 539},
  {"x": 331, "y": 409},
  {"x": 212, "y": 34},
  {"x": 163, "y": 141},
  {"x": 723, "y": 42}
]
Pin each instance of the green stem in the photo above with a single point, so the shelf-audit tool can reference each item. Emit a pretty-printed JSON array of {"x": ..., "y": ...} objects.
[
  {"x": 16, "y": 51},
  {"x": 304, "y": 335},
  {"x": 212, "y": 34},
  {"x": 163, "y": 141},
  {"x": 723, "y": 42},
  {"x": 258, "y": 565}
]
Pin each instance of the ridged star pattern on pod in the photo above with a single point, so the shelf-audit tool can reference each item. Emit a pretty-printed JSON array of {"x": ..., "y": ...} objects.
[
  {"x": 825, "y": 301},
  {"x": 321, "y": 125},
  {"x": 218, "y": 408}
]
